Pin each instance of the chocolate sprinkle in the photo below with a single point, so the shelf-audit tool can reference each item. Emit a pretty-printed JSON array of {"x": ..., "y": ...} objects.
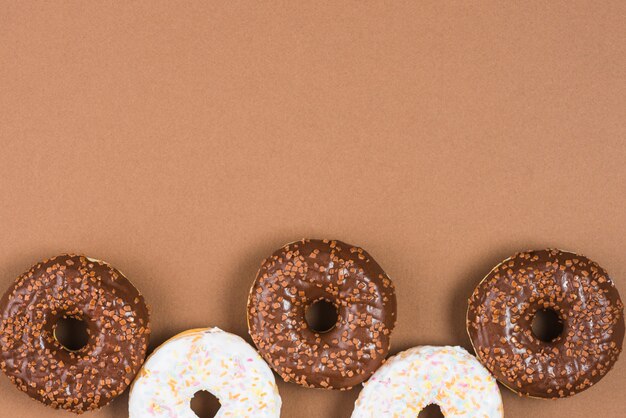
[
  {"x": 117, "y": 324},
  {"x": 502, "y": 308},
  {"x": 307, "y": 271}
]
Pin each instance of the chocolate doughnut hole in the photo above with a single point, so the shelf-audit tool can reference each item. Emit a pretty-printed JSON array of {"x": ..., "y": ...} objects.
[
  {"x": 72, "y": 333},
  {"x": 321, "y": 316},
  {"x": 547, "y": 325}
]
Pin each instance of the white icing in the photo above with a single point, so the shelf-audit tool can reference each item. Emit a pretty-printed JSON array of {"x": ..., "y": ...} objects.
[
  {"x": 447, "y": 376},
  {"x": 204, "y": 359}
]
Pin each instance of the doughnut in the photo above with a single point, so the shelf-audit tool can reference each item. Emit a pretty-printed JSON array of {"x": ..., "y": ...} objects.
[
  {"x": 204, "y": 359},
  {"x": 301, "y": 274},
  {"x": 573, "y": 288},
  {"x": 116, "y": 317},
  {"x": 446, "y": 376}
]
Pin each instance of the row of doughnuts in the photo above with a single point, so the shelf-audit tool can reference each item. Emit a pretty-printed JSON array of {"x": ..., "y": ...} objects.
[
  {"x": 225, "y": 365},
  {"x": 350, "y": 351}
]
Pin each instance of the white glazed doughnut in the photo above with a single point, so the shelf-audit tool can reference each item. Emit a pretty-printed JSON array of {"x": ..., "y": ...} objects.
[
  {"x": 447, "y": 376},
  {"x": 204, "y": 359}
]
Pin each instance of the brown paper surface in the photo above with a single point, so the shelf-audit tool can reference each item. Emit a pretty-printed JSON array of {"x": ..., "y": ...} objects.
[{"x": 184, "y": 142}]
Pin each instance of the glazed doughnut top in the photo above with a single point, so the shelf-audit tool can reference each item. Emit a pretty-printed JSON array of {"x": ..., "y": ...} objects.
[
  {"x": 298, "y": 275},
  {"x": 579, "y": 291},
  {"x": 117, "y": 324},
  {"x": 446, "y": 376},
  {"x": 204, "y": 359}
]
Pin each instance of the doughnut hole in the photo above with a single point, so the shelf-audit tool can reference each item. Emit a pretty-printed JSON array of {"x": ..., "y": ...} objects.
[
  {"x": 547, "y": 325},
  {"x": 431, "y": 411},
  {"x": 321, "y": 316},
  {"x": 72, "y": 333},
  {"x": 204, "y": 404}
]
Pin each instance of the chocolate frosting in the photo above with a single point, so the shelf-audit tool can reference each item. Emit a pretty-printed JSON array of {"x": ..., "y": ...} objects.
[
  {"x": 302, "y": 273},
  {"x": 117, "y": 325},
  {"x": 502, "y": 308}
]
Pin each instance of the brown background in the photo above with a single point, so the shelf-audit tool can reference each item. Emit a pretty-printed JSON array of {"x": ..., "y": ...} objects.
[{"x": 184, "y": 143}]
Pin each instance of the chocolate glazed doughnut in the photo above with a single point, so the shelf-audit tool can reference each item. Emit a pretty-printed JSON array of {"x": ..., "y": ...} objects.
[
  {"x": 572, "y": 287},
  {"x": 78, "y": 287},
  {"x": 302, "y": 273}
]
